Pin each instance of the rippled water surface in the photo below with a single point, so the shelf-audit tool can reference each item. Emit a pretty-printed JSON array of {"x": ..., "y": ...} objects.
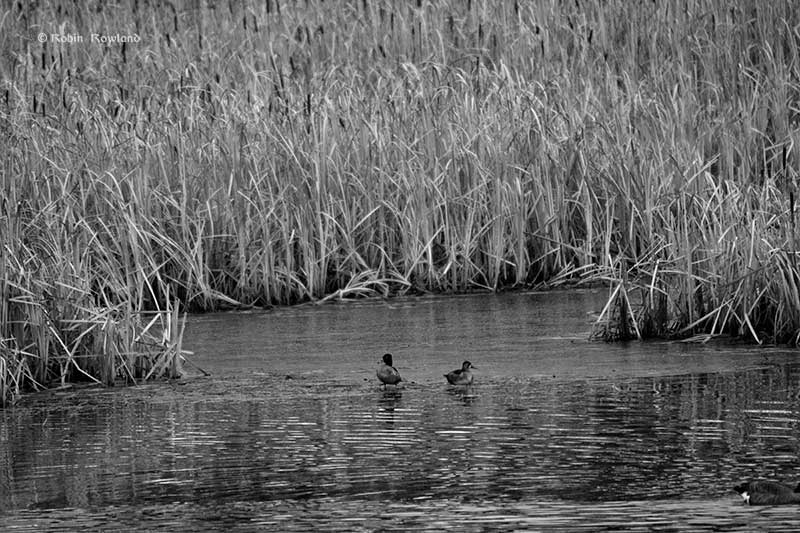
[{"x": 291, "y": 431}]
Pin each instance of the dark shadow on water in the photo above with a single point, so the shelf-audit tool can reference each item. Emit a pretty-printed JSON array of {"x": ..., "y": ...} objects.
[
  {"x": 390, "y": 399},
  {"x": 466, "y": 394},
  {"x": 390, "y": 396}
]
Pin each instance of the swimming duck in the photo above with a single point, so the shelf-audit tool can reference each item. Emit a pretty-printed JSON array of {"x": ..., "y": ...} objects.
[
  {"x": 387, "y": 373},
  {"x": 462, "y": 376},
  {"x": 768, "y": 493}
]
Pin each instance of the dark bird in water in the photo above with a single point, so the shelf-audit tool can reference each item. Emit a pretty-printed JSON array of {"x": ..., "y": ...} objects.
[
  {"x": 462, "y": 376},
  {"x": 387, "y": 373},
  {"x": 768, "y": 493}
]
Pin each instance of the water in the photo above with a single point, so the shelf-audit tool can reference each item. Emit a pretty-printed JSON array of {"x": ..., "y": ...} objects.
[{"x": 292, "y": 432}]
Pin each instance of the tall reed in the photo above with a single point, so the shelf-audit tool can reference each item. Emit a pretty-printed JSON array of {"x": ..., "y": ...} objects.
[{"x": 268, "y": 153}]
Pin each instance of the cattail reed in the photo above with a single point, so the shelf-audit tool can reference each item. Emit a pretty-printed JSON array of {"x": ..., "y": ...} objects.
[{"x": 401, "y": 147}]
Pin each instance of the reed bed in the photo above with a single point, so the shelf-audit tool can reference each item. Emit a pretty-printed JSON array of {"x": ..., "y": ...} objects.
[{"x": 250, "y": 153}]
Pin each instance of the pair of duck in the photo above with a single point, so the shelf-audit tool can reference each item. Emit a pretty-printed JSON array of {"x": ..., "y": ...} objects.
[
  {"x": 388, "y": 375},
  {"x": 753, "y": 492}
]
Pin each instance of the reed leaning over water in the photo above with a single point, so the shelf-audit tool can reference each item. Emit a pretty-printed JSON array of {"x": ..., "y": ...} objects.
[{"x": 268, "y": 153}]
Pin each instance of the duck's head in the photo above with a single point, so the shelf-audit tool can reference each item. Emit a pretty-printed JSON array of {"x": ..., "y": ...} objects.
[
  {"x": 387, "y": 359},
  {"x": 743, "y": 492},
  {"x": 466, "y": 365}
]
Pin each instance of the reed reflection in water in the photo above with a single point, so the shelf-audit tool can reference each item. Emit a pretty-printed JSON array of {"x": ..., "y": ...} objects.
[{"x": 605, "y": 451}]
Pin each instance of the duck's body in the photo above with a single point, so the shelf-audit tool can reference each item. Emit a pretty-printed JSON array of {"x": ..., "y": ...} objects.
[
  {"x": 462, "y": 376},
  {"x": 387, "y": 373},
  {"x": 768, "y": 493}
]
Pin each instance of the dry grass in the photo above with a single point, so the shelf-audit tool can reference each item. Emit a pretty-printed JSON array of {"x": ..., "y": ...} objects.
[{"x": 267, "y": 153}]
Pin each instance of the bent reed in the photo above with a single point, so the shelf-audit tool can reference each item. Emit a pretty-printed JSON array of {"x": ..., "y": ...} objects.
[{"x": 242, "y": 153}]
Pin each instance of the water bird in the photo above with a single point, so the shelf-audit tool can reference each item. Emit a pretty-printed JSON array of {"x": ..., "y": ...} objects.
[
  {"x": 768, "y": 493},
  {"x": 387, "y": 373},
  {"x": 461, "y": 376}
]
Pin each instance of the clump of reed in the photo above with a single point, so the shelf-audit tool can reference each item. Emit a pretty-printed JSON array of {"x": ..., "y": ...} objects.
[
  {"x": 268, "y": 153},
  {"x": 724, "y": 265},
  {"x": 68, "y": 308}
]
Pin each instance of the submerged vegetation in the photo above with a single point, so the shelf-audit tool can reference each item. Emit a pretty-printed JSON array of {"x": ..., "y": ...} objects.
[{"x": 200, "y": 155}]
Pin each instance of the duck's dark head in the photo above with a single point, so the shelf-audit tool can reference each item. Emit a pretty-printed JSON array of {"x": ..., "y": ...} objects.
[
  {"x": 466, "y": 365},
  {"x": 387, "y": 359},
  {"x": 743, "y": 491}
]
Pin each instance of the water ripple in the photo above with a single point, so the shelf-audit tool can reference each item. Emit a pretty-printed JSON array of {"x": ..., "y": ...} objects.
[{"x": 599, "y": 453}]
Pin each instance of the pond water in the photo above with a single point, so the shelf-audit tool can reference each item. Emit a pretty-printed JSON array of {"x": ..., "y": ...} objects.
[{"x": 291, "y": 432}]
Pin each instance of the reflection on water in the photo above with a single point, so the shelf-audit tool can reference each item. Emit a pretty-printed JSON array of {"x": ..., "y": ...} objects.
[{"x": 554, "y": 435}]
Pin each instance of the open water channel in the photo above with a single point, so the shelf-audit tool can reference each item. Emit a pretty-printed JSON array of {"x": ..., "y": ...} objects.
[{"x": 292, "y": 432}]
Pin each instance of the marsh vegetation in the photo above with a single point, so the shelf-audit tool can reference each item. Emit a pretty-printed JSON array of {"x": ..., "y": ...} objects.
[{"x": 268, "y": 153}]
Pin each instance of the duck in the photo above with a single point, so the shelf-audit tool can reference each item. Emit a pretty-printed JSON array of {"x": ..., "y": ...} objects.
[
  {"x": 768, "y": 493},
  {"x": 387, "y": 374},
  {"x": 461, "y": 376}
]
